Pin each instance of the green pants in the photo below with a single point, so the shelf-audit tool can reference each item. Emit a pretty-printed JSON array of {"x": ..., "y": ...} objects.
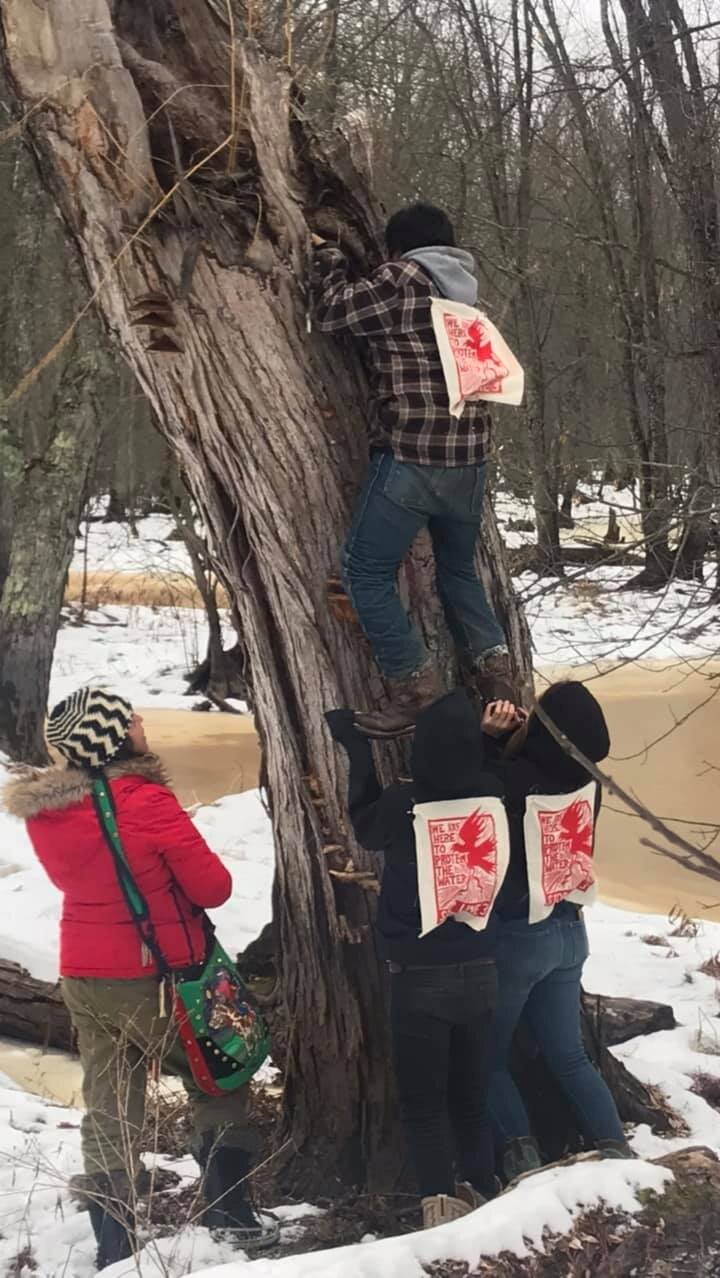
[{"x": 120, "y": 1033}]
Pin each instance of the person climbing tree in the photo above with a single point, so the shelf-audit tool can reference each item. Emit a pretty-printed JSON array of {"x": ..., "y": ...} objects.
[{"x": 427, "y": 467}]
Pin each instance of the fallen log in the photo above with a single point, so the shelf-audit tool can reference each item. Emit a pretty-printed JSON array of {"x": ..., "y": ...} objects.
[
  {"x": 593, "y": 554},
  {"x": 617, "y": 1020},
  {"x": 32, "y": 1010}
]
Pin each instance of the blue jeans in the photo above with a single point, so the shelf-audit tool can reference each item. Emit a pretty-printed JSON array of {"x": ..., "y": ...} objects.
[
  {"x": 398, "y": 500},
  {"x": 539, "y": 972}
]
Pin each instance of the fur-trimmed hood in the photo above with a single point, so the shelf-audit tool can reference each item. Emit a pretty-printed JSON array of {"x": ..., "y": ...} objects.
[{"x": 31, "y": 791}]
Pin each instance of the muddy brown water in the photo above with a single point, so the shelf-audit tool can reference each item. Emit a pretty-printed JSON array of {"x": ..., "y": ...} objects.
[
  {"x": 206, "y": 754},
  {"x": 665, "y": 728}
]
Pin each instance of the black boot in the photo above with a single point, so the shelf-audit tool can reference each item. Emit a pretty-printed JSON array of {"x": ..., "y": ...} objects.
[
  {"x": 229, "y": 1206},
  {"x": 616, "y": 1149},
  {"x": 113, "y": 1233},
  {"x": 521, "y": 1157}
]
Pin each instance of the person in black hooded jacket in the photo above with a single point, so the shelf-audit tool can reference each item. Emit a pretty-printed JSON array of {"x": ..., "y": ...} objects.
[
  {"x": 443, "y": 984},
  {"x": 540, "y": 965}
]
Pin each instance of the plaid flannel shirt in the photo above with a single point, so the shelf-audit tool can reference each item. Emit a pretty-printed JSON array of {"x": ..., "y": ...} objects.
[{"x": 409, "y": 413}]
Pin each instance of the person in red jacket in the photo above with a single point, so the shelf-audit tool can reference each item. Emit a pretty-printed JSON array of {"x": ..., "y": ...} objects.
[{"x": 110, "y": 979}]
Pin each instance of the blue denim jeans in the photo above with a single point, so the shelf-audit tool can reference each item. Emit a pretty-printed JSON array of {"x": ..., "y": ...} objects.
[
  {"x": 397, "y": 501},
  {"x": 539, "y": 972}
]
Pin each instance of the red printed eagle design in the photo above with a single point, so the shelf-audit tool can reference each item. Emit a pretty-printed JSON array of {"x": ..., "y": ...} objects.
[
  {"x": 479, "y": 369},
  {"x": 464, "y": 862},
  {"x": 566, "y": 843}
]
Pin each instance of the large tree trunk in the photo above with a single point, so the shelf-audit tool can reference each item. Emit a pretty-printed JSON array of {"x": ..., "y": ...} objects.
[
  {"x": 48, "y": 439},
  {"x": 267, "y": 422}
]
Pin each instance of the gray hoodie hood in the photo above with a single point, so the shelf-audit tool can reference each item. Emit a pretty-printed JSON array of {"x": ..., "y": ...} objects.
[{"x": 452, "y": 271}]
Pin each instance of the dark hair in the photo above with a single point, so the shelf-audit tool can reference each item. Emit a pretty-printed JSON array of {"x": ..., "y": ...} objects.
[{"x": 418, "y": 226}]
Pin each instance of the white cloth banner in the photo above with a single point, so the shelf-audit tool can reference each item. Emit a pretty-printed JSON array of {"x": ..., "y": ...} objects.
[
  {"x": 463, "y": 852},
  {"x": 559, "y": 843},
  {"x": 476, "y": 359}
]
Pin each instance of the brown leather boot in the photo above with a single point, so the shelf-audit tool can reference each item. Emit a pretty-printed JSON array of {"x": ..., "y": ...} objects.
[
  {"x": 409, "y": 697},
  {"x": 493, "y": 679}
]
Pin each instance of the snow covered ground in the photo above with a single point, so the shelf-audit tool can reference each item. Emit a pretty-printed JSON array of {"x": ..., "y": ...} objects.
[
  {"x": 590, "y": 618},
  {"x": 151, "y": 550},
  {"x": 44, "y": 1233},
  {"x": 591, "y": 512},
  {"x": 143, "y": 651},
  {"x": 39, "y": 1142}
]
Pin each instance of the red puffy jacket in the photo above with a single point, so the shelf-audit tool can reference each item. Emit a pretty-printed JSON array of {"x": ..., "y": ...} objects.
[{"x": 177, "y": 873}]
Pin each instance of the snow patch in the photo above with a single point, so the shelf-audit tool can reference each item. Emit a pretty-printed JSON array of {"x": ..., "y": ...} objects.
[{"x": 517, "y": 1222}]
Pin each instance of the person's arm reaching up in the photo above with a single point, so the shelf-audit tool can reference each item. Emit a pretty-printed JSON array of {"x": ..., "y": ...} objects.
[
  {"x": 365, "y": 793},
  {"x": 366, "y": 308}
]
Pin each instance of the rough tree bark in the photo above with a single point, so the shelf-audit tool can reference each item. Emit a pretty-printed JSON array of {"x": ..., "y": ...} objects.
[
  {"x": 48, "y": 440},
  {"x": 202, "y": 279}
]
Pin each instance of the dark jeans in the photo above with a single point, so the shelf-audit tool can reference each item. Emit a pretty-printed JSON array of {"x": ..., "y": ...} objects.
[
  {"x": 539, "y": 972},
  {"x": 398, "y": 500},
  {"x": 441, "y": 1019}
]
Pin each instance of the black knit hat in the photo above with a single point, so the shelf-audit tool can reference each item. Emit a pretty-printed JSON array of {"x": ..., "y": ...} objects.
[
  {"x": 89, "y": 727},
  {"x": 578, "y": 714}
]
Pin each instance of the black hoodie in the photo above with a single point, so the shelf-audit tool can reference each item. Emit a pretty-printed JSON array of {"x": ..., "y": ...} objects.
[
  {"x": 541, "y": 766},
  {"x": 447, "y": 763}
]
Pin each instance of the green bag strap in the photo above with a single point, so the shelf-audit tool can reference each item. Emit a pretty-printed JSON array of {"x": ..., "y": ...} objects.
[{"x": 134, "y": 899}]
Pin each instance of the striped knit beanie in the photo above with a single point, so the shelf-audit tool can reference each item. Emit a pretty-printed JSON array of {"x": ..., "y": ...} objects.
[{"x": 89, "y": 727}]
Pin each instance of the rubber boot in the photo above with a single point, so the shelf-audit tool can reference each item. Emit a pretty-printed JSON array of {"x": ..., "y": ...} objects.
[
  {"x": 467, "y": 1193},
  {"x": 408, "y": 698},
  {"x": 440, "y": 1209},
  {"x": 521, "y": 1157},
  {"x": 228, "y": 1204},
  {"x": 615, "y": 1149},
  {"x": 112, "y": 1222}
]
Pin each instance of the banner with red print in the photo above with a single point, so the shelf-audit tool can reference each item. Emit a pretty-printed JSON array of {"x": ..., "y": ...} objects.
[
  {"x": 463, "y": 851},
  {"x": 476, "y": 359},
  {"x": 559, "y": 844}
]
